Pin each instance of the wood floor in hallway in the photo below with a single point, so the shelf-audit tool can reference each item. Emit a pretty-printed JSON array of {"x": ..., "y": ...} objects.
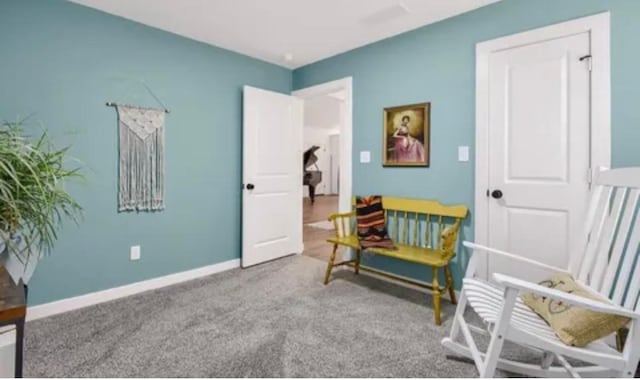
[{"x": 315, "y": 244}]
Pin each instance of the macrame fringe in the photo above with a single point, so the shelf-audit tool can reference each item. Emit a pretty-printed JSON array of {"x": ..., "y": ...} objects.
[{"x": 141, "y": 168}]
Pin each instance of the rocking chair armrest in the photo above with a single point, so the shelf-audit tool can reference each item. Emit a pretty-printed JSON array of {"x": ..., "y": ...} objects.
[
  {"x": 588, "y": 303},
  {"x": 493, "y": 251}
]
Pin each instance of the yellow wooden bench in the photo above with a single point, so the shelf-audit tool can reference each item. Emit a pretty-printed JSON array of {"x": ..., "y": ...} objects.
[{"x": 424, "y": 232}]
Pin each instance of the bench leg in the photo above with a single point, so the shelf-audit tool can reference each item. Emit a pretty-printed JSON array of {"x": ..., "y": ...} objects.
[
  {"x": 449, "y": 277},
  {"x": 332, "y": 259},
  {"x": 436, "y": 296},
  {"x": 357, "y": 266}
]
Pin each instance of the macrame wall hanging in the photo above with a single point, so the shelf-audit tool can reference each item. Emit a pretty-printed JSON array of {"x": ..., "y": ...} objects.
[{"x": 141, "y": 168}]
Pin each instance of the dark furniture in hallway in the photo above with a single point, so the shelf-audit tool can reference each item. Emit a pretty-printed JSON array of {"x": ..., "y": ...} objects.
[
  {"x": 311, "y": 178},
  {"x": 13, "y": 310}
]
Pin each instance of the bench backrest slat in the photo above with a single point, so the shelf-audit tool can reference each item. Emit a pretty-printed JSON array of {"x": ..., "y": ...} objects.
[
  {"x": 395, "y": 228},
  {"x": 427, "y": 241},
  {"x": 405, "y": 229},
  {"x": 440, "y": 230},
  {"x": 416, "y": 227}
]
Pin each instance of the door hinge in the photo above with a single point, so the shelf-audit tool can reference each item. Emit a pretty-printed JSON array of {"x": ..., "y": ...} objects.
[{"x": 589, "y": 61}]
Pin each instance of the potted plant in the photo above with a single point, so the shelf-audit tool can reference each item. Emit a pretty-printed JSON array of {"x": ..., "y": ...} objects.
[{"x": 33, "y": 199}]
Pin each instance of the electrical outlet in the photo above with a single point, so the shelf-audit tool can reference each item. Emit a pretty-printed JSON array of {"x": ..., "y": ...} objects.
[{"x": 135, "y": 252}]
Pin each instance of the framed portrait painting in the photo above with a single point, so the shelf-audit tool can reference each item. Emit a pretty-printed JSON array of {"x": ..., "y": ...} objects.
[{"x": 406, "y": 135}]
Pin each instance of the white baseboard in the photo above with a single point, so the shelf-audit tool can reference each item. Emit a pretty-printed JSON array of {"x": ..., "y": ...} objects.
[{"x": 73, "y": 303}]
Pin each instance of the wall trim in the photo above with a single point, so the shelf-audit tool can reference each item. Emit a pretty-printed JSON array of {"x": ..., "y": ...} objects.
[
  {"x": 78, "y": 302},
  {"x": 598, "y": 26}
]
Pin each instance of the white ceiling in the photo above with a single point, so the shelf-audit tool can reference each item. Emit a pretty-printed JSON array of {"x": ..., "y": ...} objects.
[{"x": 308, "y": 30}]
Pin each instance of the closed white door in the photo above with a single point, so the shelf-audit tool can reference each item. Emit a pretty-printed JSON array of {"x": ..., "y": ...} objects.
[
  {"x": 272, "y": 176},
  {"x": 539, "y": 155}
]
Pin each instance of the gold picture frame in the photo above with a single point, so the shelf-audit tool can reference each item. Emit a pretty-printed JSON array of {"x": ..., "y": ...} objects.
[{"x": 406, "y": 135}]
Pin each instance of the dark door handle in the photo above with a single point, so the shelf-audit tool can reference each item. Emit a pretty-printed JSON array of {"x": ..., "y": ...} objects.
[
  {"x": 250, "y": 186},
  {"x": 497, "y": 194}
]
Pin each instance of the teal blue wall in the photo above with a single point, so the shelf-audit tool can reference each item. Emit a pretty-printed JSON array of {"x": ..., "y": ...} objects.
[
  {"x": 436, "y": 63},
  {"x": 62, "y": 62}
]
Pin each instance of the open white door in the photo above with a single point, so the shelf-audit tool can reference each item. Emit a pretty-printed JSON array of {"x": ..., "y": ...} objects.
[{"x": 272, "y": 176}]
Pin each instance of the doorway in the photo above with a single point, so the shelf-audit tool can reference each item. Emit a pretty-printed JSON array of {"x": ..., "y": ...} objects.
[
  {"x": 272, "y": 173},
  {"x": 542, "y": 130},
  {"x": 326, "y": 161},
  {"x": 321, "y": 162}
]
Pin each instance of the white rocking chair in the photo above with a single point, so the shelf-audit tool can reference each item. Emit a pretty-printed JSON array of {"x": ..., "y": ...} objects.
[{"x": 607, "y": 266}]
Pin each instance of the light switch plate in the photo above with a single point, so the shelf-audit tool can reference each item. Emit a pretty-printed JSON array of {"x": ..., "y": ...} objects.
[
  {"x": 365, "y": 157},
  {"x": 463, "y": 153},
  {"x": 135, "y": 252}
]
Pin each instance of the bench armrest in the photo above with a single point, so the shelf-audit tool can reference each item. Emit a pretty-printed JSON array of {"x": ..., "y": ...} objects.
[
  {"x": 587, "y": 303},
  {"x": 491, "y": 251},
  {"x": 342, "y": 223},
  {"x": 449, "y": 236},
  {"x": 347, "y": 215}
]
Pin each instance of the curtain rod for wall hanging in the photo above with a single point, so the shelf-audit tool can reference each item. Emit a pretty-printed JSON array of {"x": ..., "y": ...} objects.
[{"x": 112, "y": 104}]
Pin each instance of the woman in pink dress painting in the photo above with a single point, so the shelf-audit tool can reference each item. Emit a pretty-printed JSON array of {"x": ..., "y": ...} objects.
[{"x": 407, "y": 148}]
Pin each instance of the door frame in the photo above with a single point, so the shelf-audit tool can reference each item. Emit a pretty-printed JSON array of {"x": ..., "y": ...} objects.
[
  {"x": 346, "y": 134},
  {"x": 598, "y": 27}
]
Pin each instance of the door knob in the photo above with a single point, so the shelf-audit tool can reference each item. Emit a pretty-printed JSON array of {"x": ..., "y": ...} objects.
[
  {"x": 250, "y": 186},
  {"x": 497, "y": 194}
]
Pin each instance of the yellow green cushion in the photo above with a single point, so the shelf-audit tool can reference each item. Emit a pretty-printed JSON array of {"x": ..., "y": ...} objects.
[{"x": 574, "y": 325}]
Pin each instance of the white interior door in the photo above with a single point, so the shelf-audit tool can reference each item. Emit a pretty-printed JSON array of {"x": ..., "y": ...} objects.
[
  {"x": 272, "y": 176},
  {"x": 539, "y": 155}
]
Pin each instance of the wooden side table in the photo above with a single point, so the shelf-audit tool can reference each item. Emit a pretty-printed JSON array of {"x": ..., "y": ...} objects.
[{"x": 13, "y": 310}]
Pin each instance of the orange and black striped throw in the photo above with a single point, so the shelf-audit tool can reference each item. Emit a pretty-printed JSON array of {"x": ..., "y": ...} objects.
[{"x": 372, "y": 231}]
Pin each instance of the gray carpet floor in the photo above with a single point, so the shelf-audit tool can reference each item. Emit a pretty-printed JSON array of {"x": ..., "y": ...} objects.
[{"x": 272, "y": 320}]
